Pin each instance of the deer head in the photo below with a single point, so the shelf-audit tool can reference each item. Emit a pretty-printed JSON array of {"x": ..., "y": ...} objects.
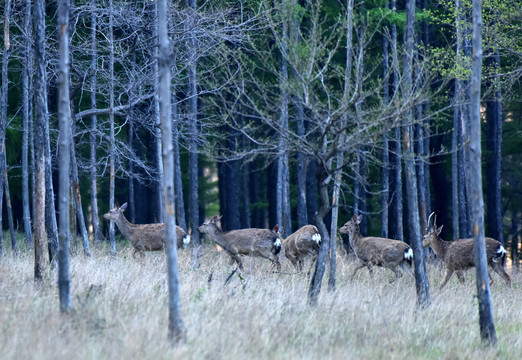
[
  {"x": 432, "y": 233},
  {"x": 115, "y": 213}
]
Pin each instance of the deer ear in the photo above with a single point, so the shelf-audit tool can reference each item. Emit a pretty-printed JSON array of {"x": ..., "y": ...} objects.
[
  {"x": 123, "y": 207},
  {"x": 439, "y": 229},
  {"x": 359, "y": 219},
  {"x": 276, "y": 228},
  {"x": 354, "y": 218}
]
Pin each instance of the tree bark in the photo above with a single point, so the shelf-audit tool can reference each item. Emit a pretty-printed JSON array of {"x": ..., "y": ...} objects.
[
  {"x": 41, "y": 115},
  {"x": 494, "y": 146},
  {"x": 193, "y": 132},
  {"x": 64, "y": 153},
  {"x": 421, "y": 278},
  {"x": 27, "y": 69},
  {"x": 487, "y": 327},
  {"x": 97, "y": 237},
  {"x": 177, "y": 332},
  {"x": 112, "y": 154}
]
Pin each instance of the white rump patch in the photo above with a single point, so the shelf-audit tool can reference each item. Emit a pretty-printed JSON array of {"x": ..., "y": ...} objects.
[
  {"x": 501, "y": 251},
  {"x": 186, "y": 240},
  {"x": 316, "y": 238},
  {"x": 408, "y": 255},
  {"x": 277, "y": 242}
]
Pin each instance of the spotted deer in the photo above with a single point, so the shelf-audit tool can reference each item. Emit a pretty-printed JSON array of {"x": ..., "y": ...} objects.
[
  {"x": 255, "y": 242},
  {"x": 301, "y": 244},
  {"x": 375, "y": 251},
  {"x": 144, "y": 237},
  {"x": 459, "y": 255}
]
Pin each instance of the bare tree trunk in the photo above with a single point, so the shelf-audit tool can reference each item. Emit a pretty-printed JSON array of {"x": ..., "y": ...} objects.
[
  {"x": 3, "y": 106},
  {"x": 487, "y": 327},
  {"x": 454, "y": 165},
  {"x": 64, "y": 153},
  {"x": 283, "y": 172},
  {"x": 193, "y": 134},
  {"x": 50, "y": 208},
  {"x": 158, "y": 156},
  {"x": 320, "y": 267},
  {"x": 26, "y": 113},
  {"x": 41, "y": 114},
  {"x": 178, "y": 185},
  {"x": 97, "y": 237},
  {"x": 14, "y": 243},
  {"x": 421, "y": 278},
  {"x": 177, "y": 332},
  {"x": 494, "y": 146},
  {"x": 385, "y": 197},
  {"x": 112, "y": 154},
  {"x": 515, "y": 232},
  {"x": 396, "y": 147}
]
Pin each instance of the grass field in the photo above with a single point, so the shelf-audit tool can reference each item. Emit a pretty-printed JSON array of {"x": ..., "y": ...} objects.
[{"x": 120, "y": 312}]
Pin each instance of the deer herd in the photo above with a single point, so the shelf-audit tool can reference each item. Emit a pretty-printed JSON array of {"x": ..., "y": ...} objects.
[{"x": 370, "y": 251}]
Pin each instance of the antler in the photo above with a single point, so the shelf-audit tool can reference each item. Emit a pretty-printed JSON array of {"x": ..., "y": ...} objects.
[{"x": 429, "y": 221}]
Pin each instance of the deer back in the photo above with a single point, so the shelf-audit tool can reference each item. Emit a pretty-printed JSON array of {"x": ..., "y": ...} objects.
[{"x": 304, "y": 242}]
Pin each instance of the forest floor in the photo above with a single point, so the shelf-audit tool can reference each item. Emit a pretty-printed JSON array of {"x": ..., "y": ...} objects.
[{"x": 121, "y": 312}]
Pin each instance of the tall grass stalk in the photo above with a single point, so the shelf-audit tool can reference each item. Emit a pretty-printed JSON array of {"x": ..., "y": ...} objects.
[{"x": 121, "y": 312}]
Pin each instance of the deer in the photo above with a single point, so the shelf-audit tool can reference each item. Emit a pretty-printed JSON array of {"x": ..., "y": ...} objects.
[
  {"x": 301, "y": 244},
  {"x": 459, "y": 255},
  {"x": 264, "y": 243},
  {"x": 376, "y": 251},
  {"x": 144, "y": 237}
]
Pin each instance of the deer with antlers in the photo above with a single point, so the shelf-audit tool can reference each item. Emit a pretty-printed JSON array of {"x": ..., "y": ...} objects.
[
  {"x": 459, "y": 255},
  {"x": 375, "y": 251}
]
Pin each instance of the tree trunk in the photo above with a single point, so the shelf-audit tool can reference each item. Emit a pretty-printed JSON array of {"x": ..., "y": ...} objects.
[
  {"x": 64, "y": 153},
  {"x": 421, "y": 278},
  {"x": 41, "y": 115},
  {"x": 396, "y": 218},
  {"x": 515, "y": 232},
  {"x": 97, "y": 237},
  {"x": 50, "y": 208},
  {"x": 454, "y": 164},
  {"x": 320, "y": 266},
  {"x": 3, "y": 105},
  {"x": 487, "y": 327},
  {"x": 157, "y": 183},
  {"x": 112, "y": 154},
  {"x": 385, "y": 197},
  {"x": 494, "y": 146},
  {"x": 14, "y": 243},
  {"x": 177, "y": 332},
  {"x": 193, "y": 132},
  {"x": 178, "y": 184},
  {"x": 27, "y": 69}
]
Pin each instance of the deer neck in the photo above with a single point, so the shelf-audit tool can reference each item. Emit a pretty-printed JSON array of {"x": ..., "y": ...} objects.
[
  {"x": 440, "y": 246},
  {"x": 355, "y": 238},
  {"x": 218, "y": 235},
  {"x": 125, "y": 226}
]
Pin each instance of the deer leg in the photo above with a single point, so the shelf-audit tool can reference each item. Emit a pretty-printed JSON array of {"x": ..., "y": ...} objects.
[
  {"x": 446, "y": 278},
  {"x": 357, "y": 268},
  {"x": 407, "y": 269},
  {"x": 461, "y": 277}
]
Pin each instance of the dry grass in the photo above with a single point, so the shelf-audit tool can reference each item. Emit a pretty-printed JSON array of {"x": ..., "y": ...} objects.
[{"x": 121, "y": 313}]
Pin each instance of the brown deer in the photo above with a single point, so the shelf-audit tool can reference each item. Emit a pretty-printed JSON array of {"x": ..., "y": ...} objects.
[
  {"x": 256, "y": 242},
  {"x": 375, "y": 251},
  {"x": 302, "y": 244},
  {"x": 459, "y": 255},
  {"x": 144, "y": 237}
]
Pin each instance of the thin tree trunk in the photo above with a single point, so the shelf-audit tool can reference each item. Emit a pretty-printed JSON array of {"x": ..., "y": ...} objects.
[
  {"x": 97, "y": 237},
  {"x": 396, "y": 183},
  {"x": 421, "y": 278},
  {"x": 385, "y": 196},
  {"x": 14, "y": 243},
  {"x": 112, "y": 154},
  {"x": 487, "y": 327},
  {"x": 50, "y": 208},
  {"x": 494, "y": 160},
  {"x": 454, "y": 165},
  {"x": 177, "y": 332},
  {"x": 64, "y": 153},
  {"x": 3, "y": 106},
  {"x": 157, "y": 136},
  {"x": 283, "y": 176},
  {"x": 178, "y": 184},
  {"x": 193, "y": 133},
  {"x": 515, "y": 232},
  {"x": 26, "y": 113},
  {"x": 41, "y": 115}
]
